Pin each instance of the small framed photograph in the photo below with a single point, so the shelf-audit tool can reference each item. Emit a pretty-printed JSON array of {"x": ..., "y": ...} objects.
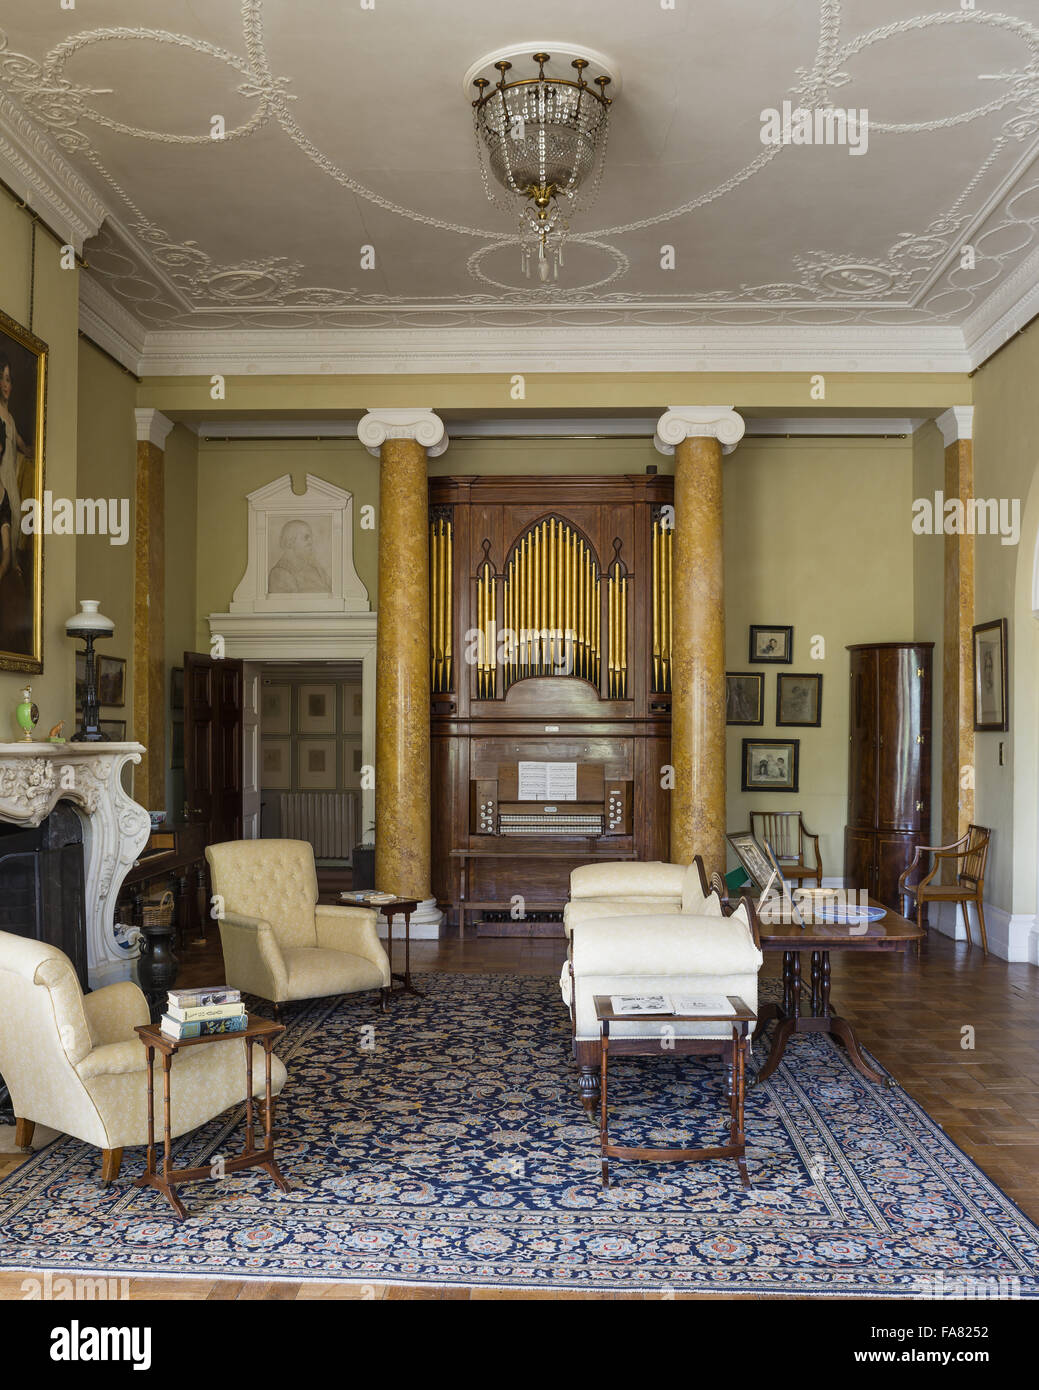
[
  {"x": 770, "y": 765},
  {"x": 799, "y": 700},
  {"x": 990, "y": 676},
  {"x": 176, "y": 687},
  {"x": 276, "y": 764},
  {"x": 771, "y": 644},
  {"x": 111, "y": 681},
  {"x": 317, "y": 764},
  {"x": 317, "y": 709},
  {"x": 274, "y": 708},
  {"x": 752, "y": 856},
  {"x": 744, "y": 697},
  {"x": 113, "y": 729}
]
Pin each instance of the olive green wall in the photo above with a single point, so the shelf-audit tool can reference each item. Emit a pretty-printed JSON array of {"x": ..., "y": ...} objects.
[
  {"x": 817, "y": 537},
  {"x": 929, "y": 595},
  {"x": 56, "y": 321},
  {"x": 107, "y": 467},
  {"x": 1006, "y": 460}
]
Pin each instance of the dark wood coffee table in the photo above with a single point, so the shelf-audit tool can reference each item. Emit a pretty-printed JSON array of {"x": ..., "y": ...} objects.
[
  {"x": 736, "y": 1046},
  {"x": 260, "y": 1030},
  {"x": 889, "y": 933}
]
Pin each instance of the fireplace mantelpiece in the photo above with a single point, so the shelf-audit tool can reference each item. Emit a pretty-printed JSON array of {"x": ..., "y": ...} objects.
[{"x": 34, "y": 777}]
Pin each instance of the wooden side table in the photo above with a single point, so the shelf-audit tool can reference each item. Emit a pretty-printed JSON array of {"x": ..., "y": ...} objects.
[
  {"x": 260, "y": 1030},
  {"x": 736, "y": 1045},
  {"x": 405, "y": 907}
]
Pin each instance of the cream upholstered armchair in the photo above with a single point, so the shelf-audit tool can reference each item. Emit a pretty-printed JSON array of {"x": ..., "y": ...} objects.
[
  {"x": 671, "y": 953},
  {"x": 73, "y": 1062},
  {"x": 279, "y": 941},
  {"x": 625, "y": 888}
]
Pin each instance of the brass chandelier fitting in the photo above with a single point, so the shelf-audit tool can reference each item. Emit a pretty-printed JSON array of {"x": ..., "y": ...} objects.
[{"x": 543, "y": 139}]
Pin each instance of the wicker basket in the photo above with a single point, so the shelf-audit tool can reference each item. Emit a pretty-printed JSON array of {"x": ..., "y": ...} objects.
[{"x": 158, "y": 912}]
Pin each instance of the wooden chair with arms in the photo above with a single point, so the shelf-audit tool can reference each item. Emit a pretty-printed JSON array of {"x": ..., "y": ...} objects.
[
  {"x": 788, "y": 835},
  {"x": 972, "y": 848}
]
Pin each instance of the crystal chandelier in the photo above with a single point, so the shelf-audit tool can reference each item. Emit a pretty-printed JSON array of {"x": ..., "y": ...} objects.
[{"x": 542, "y": 139}]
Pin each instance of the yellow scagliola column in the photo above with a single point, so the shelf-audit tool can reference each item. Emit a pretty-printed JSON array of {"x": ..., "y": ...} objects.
[
  {"x": 402, "y": 440},
  {"x": 698, "y": 436}
]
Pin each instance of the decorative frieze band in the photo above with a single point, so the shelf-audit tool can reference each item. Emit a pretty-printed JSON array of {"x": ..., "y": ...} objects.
[
  {"x": 420, "y": 424},
  {"x": 680, "y": 422}
]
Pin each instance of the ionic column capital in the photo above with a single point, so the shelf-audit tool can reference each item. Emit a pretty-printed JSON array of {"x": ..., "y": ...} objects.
[
  {"x": 680, "y": 422},
  {"x": 152, "y": 427},
  {"x": 420, "y": 424},
  {"x": 956, "y": 423}
]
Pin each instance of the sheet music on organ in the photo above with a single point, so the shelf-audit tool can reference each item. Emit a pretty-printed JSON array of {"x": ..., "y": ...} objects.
[{"x": 542, "y": 781}]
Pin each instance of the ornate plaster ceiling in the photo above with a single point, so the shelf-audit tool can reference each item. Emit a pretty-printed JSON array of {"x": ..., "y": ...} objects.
[{"x": 345, "y": 128}]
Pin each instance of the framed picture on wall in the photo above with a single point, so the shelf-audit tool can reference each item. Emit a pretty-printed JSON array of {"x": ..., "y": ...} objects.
[
  {"x": 744, "y": 697},
  {"x": 23, "y": 396},
  {"x": 317, "y": 764},
  {"x": 799, "y": 700},
  {"x": 317, "y": 709},
  {"x": 275, "y": 717},
  {"x": 111, "y": 681},
  {"x": 990, "y": 676},
  {"x": 276, "y": 764},
  {"x": 770, "y": 765},
  {"x": 771, "y": 643}
]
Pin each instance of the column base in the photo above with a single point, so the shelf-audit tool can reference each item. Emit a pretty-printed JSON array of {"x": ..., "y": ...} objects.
[{"x": 426, "y": 922}]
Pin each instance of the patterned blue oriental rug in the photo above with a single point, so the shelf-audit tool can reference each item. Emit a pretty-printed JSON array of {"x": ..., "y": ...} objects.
[{"x": 444, "y": 1143}]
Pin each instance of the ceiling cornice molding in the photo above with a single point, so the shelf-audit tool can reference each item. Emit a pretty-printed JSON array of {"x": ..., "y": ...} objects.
[
  {"x": 49, "y": 184},
  {"x": 531, "y": 349},
  {"x": 104, "y": 320},
  {"x": 1003, "y": 313}
]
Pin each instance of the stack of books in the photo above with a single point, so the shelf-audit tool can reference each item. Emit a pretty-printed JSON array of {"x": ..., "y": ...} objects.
[{"x": 203, "y": 1013}]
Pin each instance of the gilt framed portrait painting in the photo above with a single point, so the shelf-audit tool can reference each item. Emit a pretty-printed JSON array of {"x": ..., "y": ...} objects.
[{"x": 23, "y": 393}]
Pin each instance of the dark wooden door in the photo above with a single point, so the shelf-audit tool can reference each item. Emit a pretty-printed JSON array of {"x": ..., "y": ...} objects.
[{"x": 213, "y": 732}]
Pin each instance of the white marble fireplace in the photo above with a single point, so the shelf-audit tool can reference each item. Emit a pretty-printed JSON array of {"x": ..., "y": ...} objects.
[{"x": 34, "y": 777}]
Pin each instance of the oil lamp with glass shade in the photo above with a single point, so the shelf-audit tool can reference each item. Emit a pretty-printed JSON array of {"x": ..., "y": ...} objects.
[{"x": 90, "y": 625}]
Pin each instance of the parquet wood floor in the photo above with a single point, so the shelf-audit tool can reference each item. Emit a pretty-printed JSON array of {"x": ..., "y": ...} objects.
[{"x": 960, "y": 1032}]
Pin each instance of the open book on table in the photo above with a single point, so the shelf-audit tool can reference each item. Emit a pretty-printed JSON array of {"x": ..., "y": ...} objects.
[{"x": 632, "y": 1005}]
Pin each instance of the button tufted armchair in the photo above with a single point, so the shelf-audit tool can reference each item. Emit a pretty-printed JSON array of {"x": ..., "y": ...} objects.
[
  {"x": 73, "y": 1061},
  {"x": 279, "y": 941}
]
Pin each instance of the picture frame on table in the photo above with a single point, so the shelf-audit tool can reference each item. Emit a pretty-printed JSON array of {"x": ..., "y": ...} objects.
[
  {"x": 23, "y": 411},
  {"x": 752, "y": 856},
  {"x": 799, "y": 700},
  {"x": 771, "y": 643},
  {"x": 113, "y": 729},
  {"x": 770, "y": 764},
  {"x": 744, "y": 697},
  {"x": 989, "y": 642}
]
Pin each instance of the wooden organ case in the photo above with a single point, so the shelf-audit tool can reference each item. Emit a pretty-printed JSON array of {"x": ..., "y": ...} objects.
[{"x": 550, "y": 643}]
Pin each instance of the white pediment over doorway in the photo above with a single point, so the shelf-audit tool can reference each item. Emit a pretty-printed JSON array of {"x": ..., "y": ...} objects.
[{"x": 300, "y": 551}]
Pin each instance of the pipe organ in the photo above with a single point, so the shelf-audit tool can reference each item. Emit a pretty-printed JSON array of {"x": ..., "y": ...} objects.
[{"x": 550, "y": 678}]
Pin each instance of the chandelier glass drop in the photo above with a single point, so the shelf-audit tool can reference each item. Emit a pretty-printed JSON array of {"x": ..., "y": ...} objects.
[{"x": 543, "y": 140}]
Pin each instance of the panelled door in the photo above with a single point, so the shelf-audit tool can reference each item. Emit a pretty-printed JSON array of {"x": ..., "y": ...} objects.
[{"x": 213, "y": 733}]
